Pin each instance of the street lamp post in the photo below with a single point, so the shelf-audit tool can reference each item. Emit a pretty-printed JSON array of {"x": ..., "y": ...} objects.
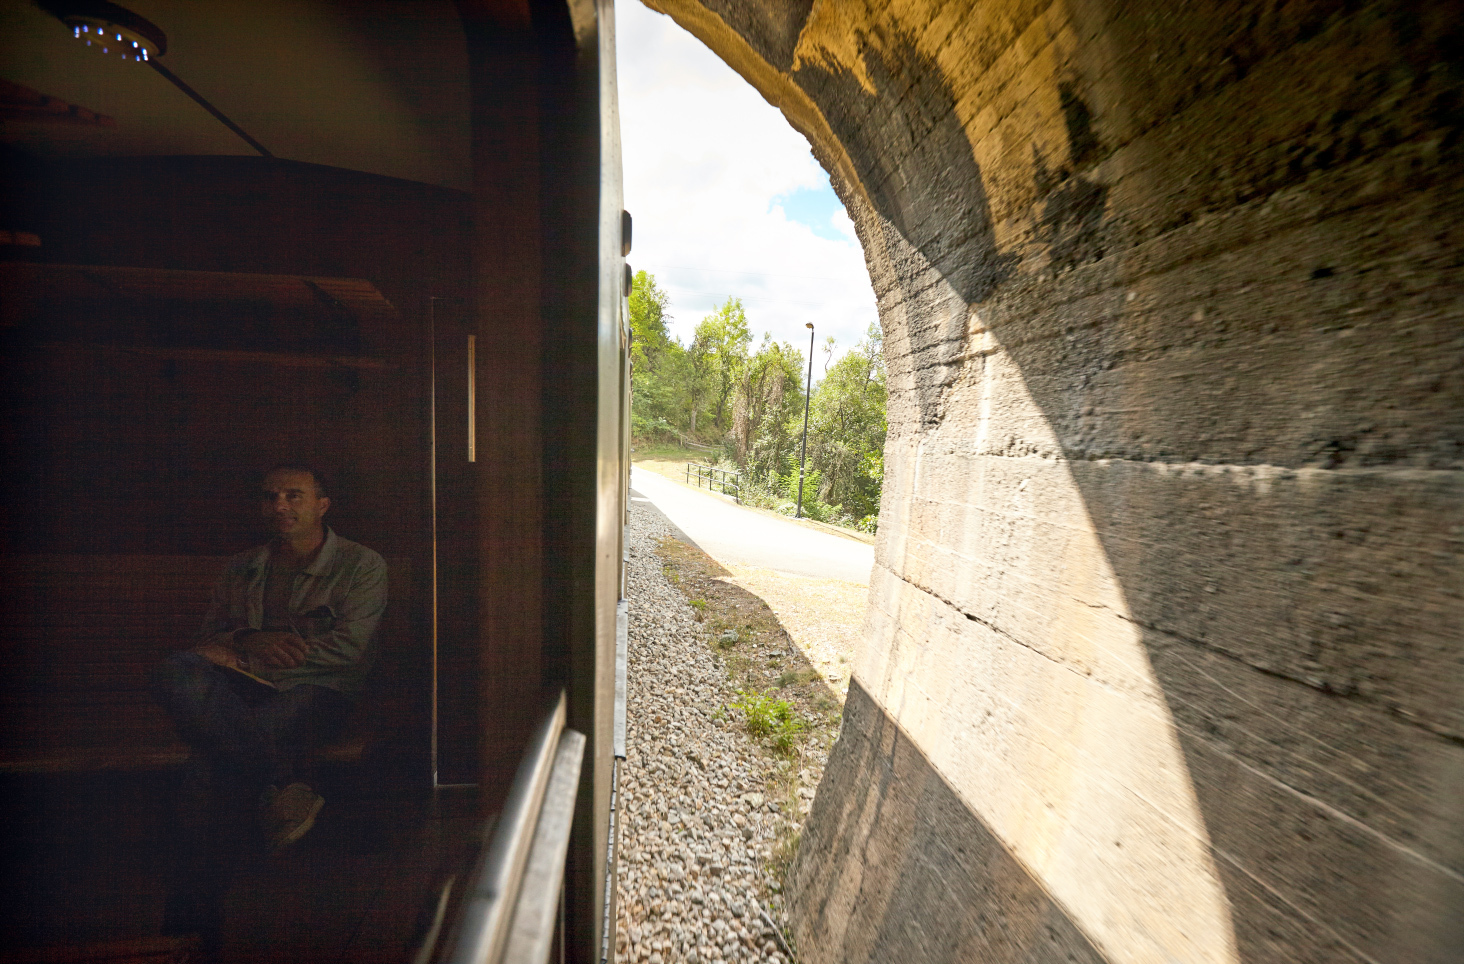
[{"x": 807, "y": 397}]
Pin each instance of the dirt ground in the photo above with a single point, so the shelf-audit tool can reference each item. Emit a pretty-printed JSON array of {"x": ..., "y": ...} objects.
[
  {"x": 751, "y": 638},
  {"x": 824, "y": 617}
]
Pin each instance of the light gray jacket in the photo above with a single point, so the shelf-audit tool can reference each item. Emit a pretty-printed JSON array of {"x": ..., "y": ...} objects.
[{"x": 336, "y": 606}]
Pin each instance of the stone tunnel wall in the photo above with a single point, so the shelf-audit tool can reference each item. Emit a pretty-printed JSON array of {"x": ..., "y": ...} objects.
[{"x": 1165, "y": 652}]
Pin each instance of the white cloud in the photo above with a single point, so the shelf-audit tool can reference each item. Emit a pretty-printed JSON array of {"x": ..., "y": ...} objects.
[{"x": 707, "y": 163}]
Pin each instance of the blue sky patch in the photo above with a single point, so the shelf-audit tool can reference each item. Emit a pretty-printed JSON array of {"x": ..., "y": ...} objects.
[{"x": 813, "y": 207}]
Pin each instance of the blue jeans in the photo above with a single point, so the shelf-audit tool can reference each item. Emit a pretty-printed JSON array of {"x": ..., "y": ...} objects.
[
  {"x": 244, "y": 737},
  {"x": 247, "y": 733}
]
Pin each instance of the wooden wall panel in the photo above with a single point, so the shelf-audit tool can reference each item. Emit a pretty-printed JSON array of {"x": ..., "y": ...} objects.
[{"x": 131, "y": 429}]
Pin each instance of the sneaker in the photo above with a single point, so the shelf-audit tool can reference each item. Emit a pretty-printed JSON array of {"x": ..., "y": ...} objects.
[{"x": 289, "y": 814}]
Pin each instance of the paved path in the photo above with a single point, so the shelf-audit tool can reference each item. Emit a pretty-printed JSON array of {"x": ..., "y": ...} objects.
[{"x": 733, "y": 535}]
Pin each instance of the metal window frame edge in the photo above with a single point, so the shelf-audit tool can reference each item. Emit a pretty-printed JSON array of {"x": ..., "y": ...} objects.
[{"x": 501, "y": 920}]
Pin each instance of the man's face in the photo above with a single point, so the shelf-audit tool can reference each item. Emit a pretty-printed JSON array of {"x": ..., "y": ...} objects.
[{"x": 291, "y": 503}]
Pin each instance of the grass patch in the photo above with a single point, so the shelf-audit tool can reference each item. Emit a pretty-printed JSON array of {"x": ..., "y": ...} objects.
[
  {"x": 666, "y": 452},
  {"x": 797, "y": 678}
]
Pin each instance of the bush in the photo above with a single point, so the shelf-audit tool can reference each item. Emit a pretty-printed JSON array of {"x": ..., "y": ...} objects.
[
  {"x": 780, "y": 495},
  {"x": 653, "y": 429}
]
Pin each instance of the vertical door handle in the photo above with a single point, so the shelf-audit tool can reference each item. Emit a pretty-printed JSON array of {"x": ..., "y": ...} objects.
[{"x": 472, "y": 399}]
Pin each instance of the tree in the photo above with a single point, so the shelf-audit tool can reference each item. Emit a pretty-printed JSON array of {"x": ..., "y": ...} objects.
[
  {"x": 716, "y": 388},
  {"x": 649, "y": 337},
  {"x": 848, "y": 428},
  {"x": 766, "y": 409},
  {"x": 659, "y": 368},
  {"x": 701, "y": 368},
  {"x": 719, "y": 352}
]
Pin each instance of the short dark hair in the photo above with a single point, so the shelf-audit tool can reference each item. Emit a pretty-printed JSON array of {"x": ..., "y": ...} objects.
[{"x": 316, "y": 476}]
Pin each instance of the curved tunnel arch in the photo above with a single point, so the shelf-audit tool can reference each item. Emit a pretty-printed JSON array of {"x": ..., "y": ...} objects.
[{"x": 1159, "y": 663}]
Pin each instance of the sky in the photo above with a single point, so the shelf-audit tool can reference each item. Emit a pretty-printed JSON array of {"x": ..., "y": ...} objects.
[{"x": 727, "y": 197}]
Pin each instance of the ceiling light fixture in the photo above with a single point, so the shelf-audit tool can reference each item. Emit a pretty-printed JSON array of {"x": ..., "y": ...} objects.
[
  {"x": 110, "y": 29},
  {"x": 117, "y": 30}
]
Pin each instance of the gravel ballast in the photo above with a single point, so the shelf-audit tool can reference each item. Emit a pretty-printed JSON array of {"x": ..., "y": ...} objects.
[{"x": 697, "y": 824}]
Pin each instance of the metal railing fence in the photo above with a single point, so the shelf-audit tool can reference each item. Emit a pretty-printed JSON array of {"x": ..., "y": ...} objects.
[{"x": 717, "y": 480}]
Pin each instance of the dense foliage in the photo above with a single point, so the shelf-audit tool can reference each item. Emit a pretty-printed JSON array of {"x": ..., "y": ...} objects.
[
  {"x": 847, "y": 427},
  {"x": 749, "y": 403}
]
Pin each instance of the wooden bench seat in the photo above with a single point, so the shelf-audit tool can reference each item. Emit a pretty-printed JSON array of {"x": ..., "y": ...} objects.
[
  {"x": 147, "y": 950},
  {"x": 81, "y": 634}
]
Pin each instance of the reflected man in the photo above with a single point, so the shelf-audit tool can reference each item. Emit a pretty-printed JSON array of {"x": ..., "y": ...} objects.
[{"x": 285, "y": 649}]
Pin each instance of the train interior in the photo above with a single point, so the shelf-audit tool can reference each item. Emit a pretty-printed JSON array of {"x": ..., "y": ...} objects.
[{"x": 372, "y": 239}]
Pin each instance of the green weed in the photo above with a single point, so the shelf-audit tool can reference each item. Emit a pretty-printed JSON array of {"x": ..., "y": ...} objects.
[
  {"x": 785, "y": 739},
  {"x": 762, "y": 712},
  {"x": 770, "y": 718}
]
